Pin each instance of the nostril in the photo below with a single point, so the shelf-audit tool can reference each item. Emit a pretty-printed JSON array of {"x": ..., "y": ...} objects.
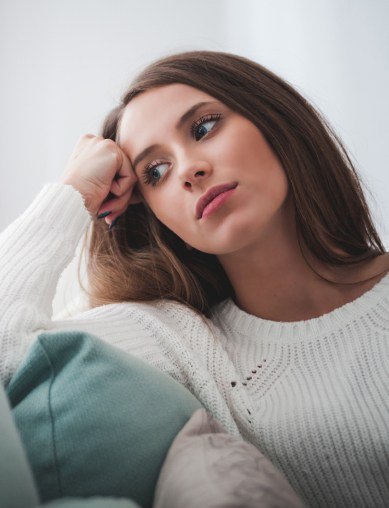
[{"x": 200, "y": 173}]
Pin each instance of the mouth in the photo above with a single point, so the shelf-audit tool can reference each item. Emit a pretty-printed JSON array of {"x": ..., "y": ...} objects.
[{"x": 210, "y": 195}]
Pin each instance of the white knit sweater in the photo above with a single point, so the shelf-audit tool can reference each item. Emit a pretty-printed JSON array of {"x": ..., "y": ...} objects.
[{"x": 311, "y": 395}]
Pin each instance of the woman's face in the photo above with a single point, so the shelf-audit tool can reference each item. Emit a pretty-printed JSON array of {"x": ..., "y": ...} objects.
[{"x": 182, "y": 142}]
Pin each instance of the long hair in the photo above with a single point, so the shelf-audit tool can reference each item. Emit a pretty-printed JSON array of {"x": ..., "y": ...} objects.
[{"x": 142, "y": 260}]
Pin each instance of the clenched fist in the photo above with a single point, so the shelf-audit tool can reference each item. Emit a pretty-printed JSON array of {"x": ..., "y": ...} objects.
[{"x": 98, "y": 167}]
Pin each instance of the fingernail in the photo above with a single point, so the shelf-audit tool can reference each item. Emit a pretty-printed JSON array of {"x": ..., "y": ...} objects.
[
  {"x": 113, "y": 223},
  {"x": 104, "y": 214}
]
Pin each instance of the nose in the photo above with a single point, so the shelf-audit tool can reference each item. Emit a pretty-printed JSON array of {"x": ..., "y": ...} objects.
[{"x": 194, "y": 173}]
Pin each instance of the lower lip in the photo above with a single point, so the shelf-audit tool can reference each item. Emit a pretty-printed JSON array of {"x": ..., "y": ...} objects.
[{"x": 216, "y": 203}]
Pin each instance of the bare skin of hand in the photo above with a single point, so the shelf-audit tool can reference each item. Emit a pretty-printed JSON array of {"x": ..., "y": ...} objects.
[{"x": 97, "y": 168}]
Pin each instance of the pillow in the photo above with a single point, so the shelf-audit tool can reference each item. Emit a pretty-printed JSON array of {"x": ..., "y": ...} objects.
[
  {"x": 94, "y": 420},
  {"x": 207, "y": 467}
]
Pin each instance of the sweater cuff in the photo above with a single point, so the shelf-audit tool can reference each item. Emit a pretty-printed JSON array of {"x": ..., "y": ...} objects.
[{"x": 61, "y": 206}]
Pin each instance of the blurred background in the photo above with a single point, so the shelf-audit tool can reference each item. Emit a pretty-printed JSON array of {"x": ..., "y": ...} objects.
[{"x": 65, "y": 63}]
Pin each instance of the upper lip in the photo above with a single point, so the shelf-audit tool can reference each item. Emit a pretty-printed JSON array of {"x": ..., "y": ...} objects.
[{"x": 211, "y": 193}]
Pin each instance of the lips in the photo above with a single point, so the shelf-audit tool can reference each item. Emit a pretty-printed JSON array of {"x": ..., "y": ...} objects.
[{"x": 211, "y": 194}]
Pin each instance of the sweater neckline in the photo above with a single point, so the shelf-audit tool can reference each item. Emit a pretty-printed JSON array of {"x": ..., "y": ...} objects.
[{"x": 239, "y": 321}]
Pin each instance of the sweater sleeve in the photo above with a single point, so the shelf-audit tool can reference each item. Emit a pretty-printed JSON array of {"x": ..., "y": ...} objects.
[{"x": 34, "y": 251}]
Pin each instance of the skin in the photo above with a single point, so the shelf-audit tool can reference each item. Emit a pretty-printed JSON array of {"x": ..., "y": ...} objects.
[
  {"x": 232, "y": 150},
  {"x": 252, "y": 233}
]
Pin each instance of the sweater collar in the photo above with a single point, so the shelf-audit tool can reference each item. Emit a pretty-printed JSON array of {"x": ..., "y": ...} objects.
[{"x": 229, "y": 315}]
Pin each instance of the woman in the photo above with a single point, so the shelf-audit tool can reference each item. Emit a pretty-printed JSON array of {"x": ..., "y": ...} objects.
[{"x": 246, "y": 266}]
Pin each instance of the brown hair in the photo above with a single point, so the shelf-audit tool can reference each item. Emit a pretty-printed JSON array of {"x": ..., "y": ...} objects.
[{"x": 142, "y": 260}]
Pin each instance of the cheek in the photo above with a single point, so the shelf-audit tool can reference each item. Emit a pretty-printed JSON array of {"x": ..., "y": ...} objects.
[
  {"x": 242, "y": 148},
  {"x": 165, "y": 205},
  {"x": 264, "y": 170}
]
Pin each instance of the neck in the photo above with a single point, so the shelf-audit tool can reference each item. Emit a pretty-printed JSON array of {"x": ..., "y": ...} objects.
[{"x": 272, "y": 279}]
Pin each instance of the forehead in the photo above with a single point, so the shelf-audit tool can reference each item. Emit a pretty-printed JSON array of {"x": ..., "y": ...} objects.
[{"x": 155, "y": 110}]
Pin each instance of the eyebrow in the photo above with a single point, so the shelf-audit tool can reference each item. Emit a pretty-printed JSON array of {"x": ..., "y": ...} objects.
[{"x": 184, "y": 118}]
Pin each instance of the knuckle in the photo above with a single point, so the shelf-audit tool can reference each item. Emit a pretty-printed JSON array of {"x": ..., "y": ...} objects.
[
  {"x": 109, "y": 143},
  {"x": 85, "y": 137},
  {"x": 112, "y": 147},
  {"x": 118, "y": 157}
]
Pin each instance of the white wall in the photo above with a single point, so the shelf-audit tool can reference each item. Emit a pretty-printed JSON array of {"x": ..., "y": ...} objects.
[
  {"x": 64, "y": 63},
  {"x": 336, "y": 53}
]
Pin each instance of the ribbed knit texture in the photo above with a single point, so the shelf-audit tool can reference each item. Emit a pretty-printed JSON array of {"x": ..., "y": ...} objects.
[
  {"x": 320, "y": 394},
  {"x": 311, "y": 395}
]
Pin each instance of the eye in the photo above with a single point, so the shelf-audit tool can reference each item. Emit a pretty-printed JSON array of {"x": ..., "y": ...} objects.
[
  {"x": 153, "y": 172},
  {"x": 203, "y": 125}
]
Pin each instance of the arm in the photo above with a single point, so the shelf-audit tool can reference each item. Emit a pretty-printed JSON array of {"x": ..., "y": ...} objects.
[
  {"x": 37, "y": 247},
  {"x": 34, "y": 250}
]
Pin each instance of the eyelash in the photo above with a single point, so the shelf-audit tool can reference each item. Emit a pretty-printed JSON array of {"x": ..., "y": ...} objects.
[{"x": 146, "y": 173}]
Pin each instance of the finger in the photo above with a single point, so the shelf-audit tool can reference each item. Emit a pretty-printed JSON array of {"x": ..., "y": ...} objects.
[
  {"x": 122, "y": 185},
  {"x": 81, "y": 143},
  {"x": 125, "y": 178},
  {"x": 125, "y": 166},
  {"x": 117, "y": 206}
]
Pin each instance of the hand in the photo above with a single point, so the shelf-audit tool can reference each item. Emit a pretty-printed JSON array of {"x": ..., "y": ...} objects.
[{"x": 98, "y": 168}]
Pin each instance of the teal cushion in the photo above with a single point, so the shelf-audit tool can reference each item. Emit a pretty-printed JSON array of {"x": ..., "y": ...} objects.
[{"x": 94, "y": 420}]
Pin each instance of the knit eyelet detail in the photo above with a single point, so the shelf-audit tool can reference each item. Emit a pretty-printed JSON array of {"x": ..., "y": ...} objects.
[
  {"x": 250, "y": 377},
  {"x": 253, "y": 371}
]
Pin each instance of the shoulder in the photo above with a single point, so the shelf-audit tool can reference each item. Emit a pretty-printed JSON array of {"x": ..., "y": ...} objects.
[
  {"x": 163, "y": 310},
  {"x": 180, "y": 314},
  {"x": 375, "y": 269},
  {"x": 170, "y": 313}
]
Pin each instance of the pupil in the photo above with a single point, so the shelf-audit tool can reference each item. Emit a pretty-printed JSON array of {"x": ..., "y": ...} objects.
[
  {"x": 202, "y": 130},
  {"x": 154, "y": 173}
]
